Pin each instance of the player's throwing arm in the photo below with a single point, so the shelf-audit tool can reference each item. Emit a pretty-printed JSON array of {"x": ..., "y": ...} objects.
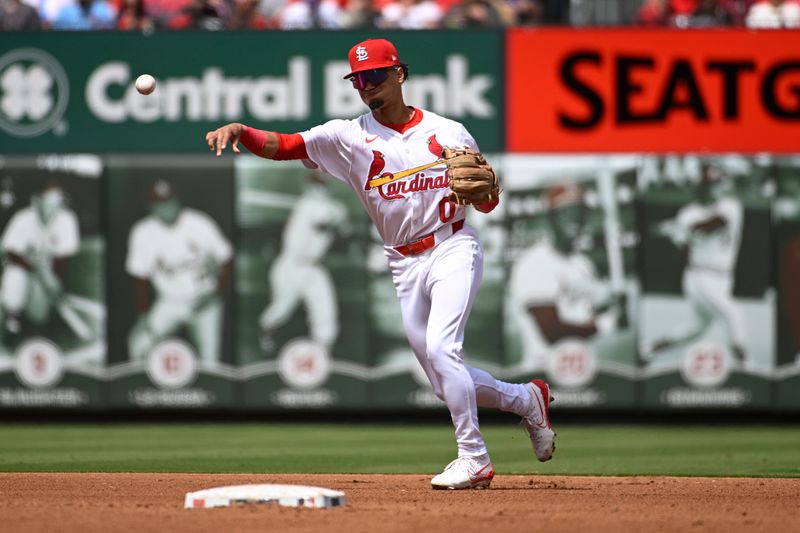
[{"x": 263, "y": 143}]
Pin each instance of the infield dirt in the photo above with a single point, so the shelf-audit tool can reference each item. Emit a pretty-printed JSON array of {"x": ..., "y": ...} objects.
[{"x": 378, "y": 503}]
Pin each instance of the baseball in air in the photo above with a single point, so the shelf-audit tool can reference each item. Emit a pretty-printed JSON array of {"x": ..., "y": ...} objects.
[{"x": 145, "y": 84}]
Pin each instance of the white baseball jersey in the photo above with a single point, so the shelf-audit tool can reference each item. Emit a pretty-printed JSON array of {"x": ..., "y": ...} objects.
[
  {"x": 178, "y": 258},
  {"x": 358, "y": 150},
  {"x": 544, "y": 276},
  {"x": 26, "y": 235},
  {"x": 715, "y": 250},
  {"x": 308, "y": 232}
]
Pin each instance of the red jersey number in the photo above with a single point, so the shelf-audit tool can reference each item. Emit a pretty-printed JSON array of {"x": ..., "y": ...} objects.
[{"x": 447, "y": 210}]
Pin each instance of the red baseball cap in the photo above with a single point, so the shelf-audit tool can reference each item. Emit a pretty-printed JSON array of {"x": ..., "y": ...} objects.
[{"x": 372, "y": 53}]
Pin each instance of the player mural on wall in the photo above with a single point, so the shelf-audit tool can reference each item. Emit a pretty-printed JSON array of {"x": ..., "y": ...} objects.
[
  {"x": 181, "y": 254},
  {"x": 436, "y": 260},
  {"x": 707, "y": 233},
  {"x": 570, "y": 260},
  {"x": 298, "y": 274},
  {"x": 52, "y": 310},
  {"x": 555, "y": 292},
  {"x": 707, "y": 335},
  {"x": 37, "y": 245}
]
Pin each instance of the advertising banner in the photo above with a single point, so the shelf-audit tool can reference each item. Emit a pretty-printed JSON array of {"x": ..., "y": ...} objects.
[
  {"x": 73, "y": 91},
  {"x": 645, "y": 254},
  {"x": 171, "y": 262},
  {"x": 302, "y": 315},
  {"x": 662, "y": 91},
  {"x": 52, "y": 289},
  {"x": 708, "y": 308}
]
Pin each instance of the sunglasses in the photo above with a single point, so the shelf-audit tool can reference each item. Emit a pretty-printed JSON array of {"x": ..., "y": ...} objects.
[{"x": 375, "y": 76}]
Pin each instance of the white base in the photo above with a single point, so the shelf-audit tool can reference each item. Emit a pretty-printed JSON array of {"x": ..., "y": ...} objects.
[{"x": 286, "y": 495}]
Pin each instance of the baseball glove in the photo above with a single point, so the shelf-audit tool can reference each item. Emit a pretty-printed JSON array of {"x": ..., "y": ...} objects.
[{"x": 472, "y": 179}]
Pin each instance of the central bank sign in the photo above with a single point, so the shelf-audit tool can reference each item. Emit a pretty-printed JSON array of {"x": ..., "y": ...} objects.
[
  {"x": 62, "y": 93},
  {"x": 214, "y": 96}
]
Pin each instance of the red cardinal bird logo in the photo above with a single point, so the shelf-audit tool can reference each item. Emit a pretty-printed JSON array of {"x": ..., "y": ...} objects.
[
  {"x": 434, "y": 146},
  {"x": 375, "y": 168}
]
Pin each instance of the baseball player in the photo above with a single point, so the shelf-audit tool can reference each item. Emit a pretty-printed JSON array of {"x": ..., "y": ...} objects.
[
  {"x": 708, "y": 233},
  {"x": 392, "y": 158},
  {"x": 37, "y": 244},
  {"x": 297, "y": 273},
  {"x": 183, "y": 255},
  {"x": 554, "y": 289}
]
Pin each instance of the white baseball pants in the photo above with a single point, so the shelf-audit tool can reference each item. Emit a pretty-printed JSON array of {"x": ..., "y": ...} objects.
[{"x": 436, "y": 290}]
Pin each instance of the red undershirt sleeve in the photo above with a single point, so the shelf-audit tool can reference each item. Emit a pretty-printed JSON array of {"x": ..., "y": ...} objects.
[
  {"x": 253, "y": 139},
  {"x": 290, "y": 146}
]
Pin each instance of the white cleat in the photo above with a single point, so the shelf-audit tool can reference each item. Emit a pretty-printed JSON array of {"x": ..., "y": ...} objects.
[
  {"x": 537, "y": 422},
  {"x": 465, "y": 473}
]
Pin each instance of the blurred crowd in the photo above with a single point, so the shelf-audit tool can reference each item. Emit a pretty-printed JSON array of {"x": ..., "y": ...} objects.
[
  {"x": 715, "y": 13},
  {"x": 273, "y": 14},
  {"x": 149, "y": 15}
]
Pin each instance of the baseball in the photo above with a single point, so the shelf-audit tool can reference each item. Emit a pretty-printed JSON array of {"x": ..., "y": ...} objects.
[{"x": 145, "y": 84}]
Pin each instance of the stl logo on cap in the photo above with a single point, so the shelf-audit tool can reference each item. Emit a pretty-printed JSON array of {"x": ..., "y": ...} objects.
[{"x": 372, "y": 54}]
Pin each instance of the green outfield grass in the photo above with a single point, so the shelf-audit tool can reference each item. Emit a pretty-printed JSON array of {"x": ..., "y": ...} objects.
[{"x": 321, "y": 448}]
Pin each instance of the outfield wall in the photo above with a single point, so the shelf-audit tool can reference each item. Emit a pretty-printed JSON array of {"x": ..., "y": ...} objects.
[{"x": 305, "y": 316}]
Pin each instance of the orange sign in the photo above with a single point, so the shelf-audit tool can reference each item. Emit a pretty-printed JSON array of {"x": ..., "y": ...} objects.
[{"x": 628, "y": 90}]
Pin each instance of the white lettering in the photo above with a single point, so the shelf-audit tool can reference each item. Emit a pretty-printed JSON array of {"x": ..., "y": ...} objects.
[
  {"x": 115, "y": 73},
  {"x": 269, "y": 99},
  {"x": 234, "y": 91},
  {"x": 62, "y": 397},
  {"x": 213, "y": 83},
  {"x": 172, "y": 398},
  {"x": 467, "y": 94},
  {"x": 581, "y": 397},
  {"x": 734, "y": 397},
  {"x": 300, "y": 84},
  {"x": 212, "y": 96},
  {"x": 141, "y": 108},
  {"x": 313, "y": 398},
  {"x": 341, "y": 100},
  {"x": 183, "y": 99},
  {"x": 429, "y": 92}
]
